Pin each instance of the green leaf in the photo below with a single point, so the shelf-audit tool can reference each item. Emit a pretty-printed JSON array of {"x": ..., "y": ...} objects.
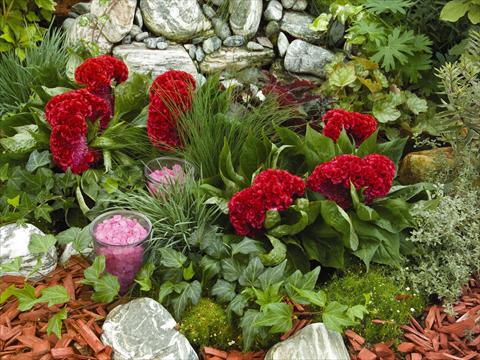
[
  {"x": 172, "y": 258},
  {"x": 356, "y": 312},
  {"x": 37, "y": 159},
  {"x": 337, "y": 218},
  {"x": 226, "y": 166},
  {"x": 395, "y": 49},
  {"x": 393, "y": 149},
  {"x": 344, "y": 144},
  {"x": 188, "y": 272},
  {"x": 7, "y": 293},
  {"x": 144, "y": 276},
  {"x": 343, "y": 76},
  {"x": 189, "y": 296},
  {"x": 474, "y": 14},
  {"x": 249, "y": 276},
  {"x": 15, "y": 201},
  {"x": 54, "y": 295},
  {"x": 231, "y": 269},
  {"x": 248, "y": 247},
  {"x": 43, "y": 212},
  {"x": 291, "y": 229},
  {"x": 272, "y": 219},
  {"x": 276, "y": 255},
  {"x": 41, "y": 244},
  {"x": 364, "y": 212},
  {"x": 272, "y": 275},
  {"x": 321, "y": 22},
  {"x": 12, "y": 266},
  {"x": 132, "y": 96},
  {"x": 55, "y": 323},
  {"x": 106, "y": 289},
  {"x": 210, "y": 268},
  {"x": 391, "y": 6},
  {"x": 165, "y": 289},
  {"x": 335, "y": 317},
  {"x": 385, "y": 112},
  {"x": 300, "y": 281},
  {"x": 271, "y": 294},
  {"x": 93, "y": 273},
  {"x": 322, "y": 148},
  {"x": 369, "y": 146},
  {"x": 224, "y": 291},
  {"x": 318, "y": 298},
  {"x": 277, "y": 316},
  {"x": 26, "y": 297},
  {"x": 328, "y": 251},
  {"x": 454, "y": 10},
  {"x": 415, "y": 104},
  {"x": 237, "y": 305},
  {"x": 250, "y": 332},
  {"x": 4, "y": 172},
  {"x": 253, "y": 155}
]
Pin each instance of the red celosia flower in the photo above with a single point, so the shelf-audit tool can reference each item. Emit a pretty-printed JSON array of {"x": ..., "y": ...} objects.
[
  {"x": 100, "y": 71},
  {"x": 170, "y": 95},
  {"x": 279, "y": 188},
  {"x": 374, "y": 174},
  {"x": 271, "y": 190},
  {"x": 357, "y": 126}
]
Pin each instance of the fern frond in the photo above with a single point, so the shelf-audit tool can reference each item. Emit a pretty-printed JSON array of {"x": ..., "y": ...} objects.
[{"x": 391, "y": 6}]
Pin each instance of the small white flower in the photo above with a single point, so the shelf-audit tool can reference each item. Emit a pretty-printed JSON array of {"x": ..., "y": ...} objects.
[
  {"x": 412, "y": 309},
  {"x": 231, "y": 342},
  {"x": 408, "y": 289}
]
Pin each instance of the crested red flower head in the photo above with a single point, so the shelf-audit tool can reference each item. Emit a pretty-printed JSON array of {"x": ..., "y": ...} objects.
[
  {"x": 101, "y": 71},
  {"x": 170, "y": 95},
  {"x": 357, "y": 126},
  {"x": 271, "y": 190},
  {"x": 374, "y": 174}
]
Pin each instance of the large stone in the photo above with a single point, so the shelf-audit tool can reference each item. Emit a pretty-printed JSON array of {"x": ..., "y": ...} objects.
[
  {"x": 211, "y": 44},
  {"x": 282, "y": 44},
  {"x": 235, "y": 59},
  {"x": 144, "y": 330},
  {"x": 298, "y": 25},
  {"x": 245, "y": 16},
  {"x": 176, "y": 20},
  {"x": 312, "y": 342},
  {"x": 14, "y": 240},
  {"x": 295, "y": 4},
  {"x": 119, "y": 19},
  {"x": 274, "y": 11},
  {"x": 423, "y": 165},
  {"x": 86, "y": 30},
  {"x": 305, "y": 58},
  {"x": 142, "y": 60}
]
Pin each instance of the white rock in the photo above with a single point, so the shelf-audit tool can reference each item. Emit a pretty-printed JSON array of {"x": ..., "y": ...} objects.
[
  {"x": 282, "y": 44},
  {"x": 235, "y": 59},
  {"x": 85, "y": 30},
  {"x": 274, "y": 11},
  {"x": 295, "y": 4},
  {"x": 312, "y": 342},
  {"x": 305, "y": 58},
  {"x": 176, "y": 20},
  {"x": 298, "y": 25},
  {"x": 245, "y": 16},
  {"x": 140, "y": 59},
  {"x": 120, "y": 15}
]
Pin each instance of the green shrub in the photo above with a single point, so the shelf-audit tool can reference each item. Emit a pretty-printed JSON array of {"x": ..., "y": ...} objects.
[
  {"x": 380, "y": 293},
  {"x": 206, "y": 324}
]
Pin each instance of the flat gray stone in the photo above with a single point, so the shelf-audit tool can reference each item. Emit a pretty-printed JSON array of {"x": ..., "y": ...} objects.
[
  {"x": 264, "y": 41},
  {"x": 245, "y": 16},
  {"x": 234, "y": 41},
  {"x": 298, "y": 25},
  {"x": 282, "y": 44},
  {"x": 135, "y": 30},
  {"x": 119, "y": 20},
  {"x": 212, "y": 44},
  {"x": 142, "y": 36},
  {"x": 221, "y": 28},
  {"x": 84, "y": 29},
  {"x": 162, "y": 45},
  {"x": 208, "y": 11},
  {"x": 295, "y": 4},
  {"x": 305, "y": 58},
  {"x": 151, "y": 43},
  {"x": 251, "y": 45},
  {"x": 14, "y": 240},
  {"x": 82, "y": 8},
  {"x": 144, "y": 330},
  {"x": 199, "y": 54},
  {"x": 176, "y": 20},
  {"x": 142, "y": 60},
  {"x": 274, "y": 11},
  {"x": 235, "y": 59},
  {"x": 312, "y": 342}
]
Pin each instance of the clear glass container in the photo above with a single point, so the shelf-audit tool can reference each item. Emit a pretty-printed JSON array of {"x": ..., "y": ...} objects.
[
  {"x": 166, "y": 171},
  {"x": 123, "y": 261}
]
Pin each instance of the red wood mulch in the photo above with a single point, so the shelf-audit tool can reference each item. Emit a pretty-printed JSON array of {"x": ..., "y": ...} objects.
[
  {"x": 23, "y": 336},
  {"x": 443, "y": 336}
]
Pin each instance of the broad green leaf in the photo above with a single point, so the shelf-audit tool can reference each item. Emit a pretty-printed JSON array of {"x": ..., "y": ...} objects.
[
  {"x": 393, "y": 149},
  {"x": 106, "y": 288},
  {"x": 335, "y": 317},
  {"x": 42, "y": 212},
  {"x": 144, "y": 276},
  {"x": 328, "y": 251},
  {"x": 415, "y": 104},
  {"x": 369, "y": 146},
  {"x": 272, "y": 219},
  {"x": 26, "y": 297},
  {"x": 226, "y": 166},
  {"x": 12, "y": 266},
  {"x": 41, "y": 244},
  {"x": 165, "y": 289},
  {"x": 276, "y": 255},
  {"x": 272, "y": 275},
  {"x": 277, "y": 316},
  {"x": 318, "y": 298},
  {"x": 4, "y": 172},
  {"x": 93, "y": 273},
  {"x": 253, "y": 155},
  {"x": 188, "y": 272},
  {"x": 210, "y": 268},
  {"x": 271, "y": 294},
  {"x": 55, "y": 323},
  {"x": 385, "y": 112},
  {"x": 249, "y": 276},
  {"x": 248, "y": 247},
  {"x": 337, "y": 218},
  {"x": 321, "y": 22},
  {"x": 5, "y": 294},
  {"x": 232, "y": 269},
  {"x": 345, "y": 144},
  {"x": 291, "y": 229},
  {"x": 171, "y": 258},
  {"x": 54, "y": 295},
  {"x": 300, "y": 281},
  {"x": 237, "y": 305},
  {"x": 343, "y": 76},
  {"x": 454, "y": 10},
  {"x": 189, "y": 296},
  {"x": 37, "y": 159},
  {"x": 357, "y": 312},
  {"x": 323, "y": 147},
  {"x": 224, "y": 291},
  {"x": 15, "y": 201},
  {"x": 250, "y": 332}
]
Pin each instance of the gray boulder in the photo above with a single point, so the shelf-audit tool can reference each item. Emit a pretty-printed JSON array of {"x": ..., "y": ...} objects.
[
  {"x": 312, "y": 342},
  {"x": 274, "y": 11},
  {"x": 282, "y": 44},
  {"x": 176, "y": 20},
  {"x": 305, "y": 58},
  {"x": 14, "y": 241},
  {"x": 144, "y": 330},
  {"x": 234, "y": 41},
  {"x": 298, "y": 25},
  {"x": 86, "y": 30},
  {"x": 221, "y": 28},
  {"x": 212, "y": 44},
  {"x": 119, "y": 20},
  {"x": 245, "y": 16},
  {"x": 140, "y": 59},
  {"x": 295, "y": 4},
  {"x": 235, "y": 59}
]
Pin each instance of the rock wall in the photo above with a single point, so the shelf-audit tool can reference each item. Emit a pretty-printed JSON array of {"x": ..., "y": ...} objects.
[{"x": 203, "y": 36}]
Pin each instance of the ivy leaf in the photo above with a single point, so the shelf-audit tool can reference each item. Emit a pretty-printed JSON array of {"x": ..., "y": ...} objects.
[
  {"x": 321, "y": 22},
  {"x": 189, "y": 296},
  {"x": 210, "y": 267},
  {"x": 251, "y": 273},
  {"x": 231, "y": 269},
  {"x": 224, "y": 291},
  {"x": 165, "y": 289},
  {"x": 237, "y": 305},
  {"x": 357, "y": 312},
  {"x": 249, "y": 330},
  {"x": 316, "y": 298},
  {"x": 41, "y": 244},
  {"x": 143, "y": 277},
  {"x": 268, "y": 295},
  {"x": 92, "y": 273},
  {"x": 5, "y": 294},
  {"x": 335, "y": 317},
  {"x": 172, "y": 258},
  {"x": 277, "y": 316},
  {"x": 272, "y": 275},
  {"x": 79, "y": 238},
  {"x": 247, "y": 246},
  {"x": 26, "y": 297},
  {"x": 188, "y": 272},
  {"x": 106, "y": 288},
  {"x": 37, "y": 159},
  {"x": 54, "y": 295},
  {"x": 13, "y": 266},
  {"x": 55, "y": 323}
]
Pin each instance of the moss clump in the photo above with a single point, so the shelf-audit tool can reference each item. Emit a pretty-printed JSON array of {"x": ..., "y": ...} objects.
[
  {"x": 385, "y": 300},
  {"x": 206, "y": 324}
]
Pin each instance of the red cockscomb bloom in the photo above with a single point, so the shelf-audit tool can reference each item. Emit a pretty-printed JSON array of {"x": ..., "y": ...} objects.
[
  {"x": 101, "y": 71},
  {"x": 271, "y": 190},
  {"x": 374, "y": 174},
  {"x": 170, "y": 95},
  {"x": 357, "y": 126}
]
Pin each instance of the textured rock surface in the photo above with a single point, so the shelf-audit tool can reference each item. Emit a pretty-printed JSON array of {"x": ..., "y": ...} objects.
[
  {"x": 14, "y": 240},
  {"x": 221, "y": 28},
  {"x": 140, "y": 59},
  {"x": 81, "y": 8},
  {"x": 234, "y": 41},
  {"x": 90, "y": 33},
  {"x": 312, "y": 342},
  {"x": 305, "y": 58},
  {"x": 235, "y": 59},
  {"x": 144, "y": 330},
  {"x": 274, "y": 10},
  {"x": 176, "y": 20},
  {"x": 422, "y": 165},
  {"x": 245, "y": 16},
  {"x": 119, "y": 20},
  {"x": 298, "y": 25},
  {"x": 295, "y": 4},
  {"x": 211, "y": 44},
  {"x": 282, "y": 44}
]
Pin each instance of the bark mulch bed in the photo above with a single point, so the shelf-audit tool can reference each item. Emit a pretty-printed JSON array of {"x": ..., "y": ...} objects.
[
  {"x": 23, "y": 336},
  {"x": 445, "y": 335}
]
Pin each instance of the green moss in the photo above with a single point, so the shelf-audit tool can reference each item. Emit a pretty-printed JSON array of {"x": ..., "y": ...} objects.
[
  {"x": 384, "y": 298},
  {"x": 206, "y": 324}
]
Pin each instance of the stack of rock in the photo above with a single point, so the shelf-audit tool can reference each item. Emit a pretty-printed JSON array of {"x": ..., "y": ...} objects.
[{"x": 206, "y": 36}]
